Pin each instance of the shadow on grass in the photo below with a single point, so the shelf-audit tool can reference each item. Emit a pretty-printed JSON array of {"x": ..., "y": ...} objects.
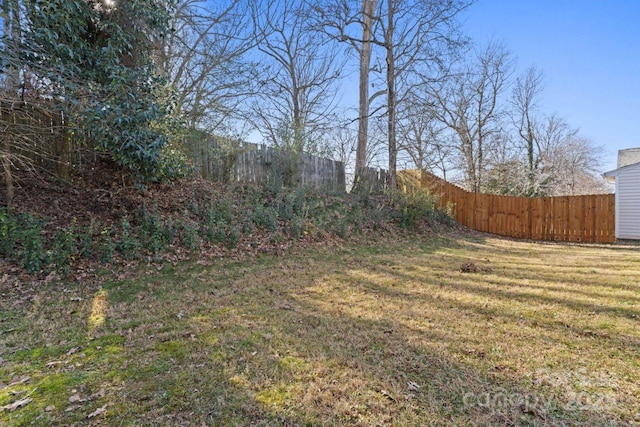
[
  {"x": 508, "y": 278},
  {"x": 318, "y": 350},
  {"x": 352, "y": 370},
  {"x": 304, "y": 341}
]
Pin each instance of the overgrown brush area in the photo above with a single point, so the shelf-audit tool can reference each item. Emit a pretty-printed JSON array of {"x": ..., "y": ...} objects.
[
  {"x": 65, "y": 229},
  {"x": 395, "y": 332}
]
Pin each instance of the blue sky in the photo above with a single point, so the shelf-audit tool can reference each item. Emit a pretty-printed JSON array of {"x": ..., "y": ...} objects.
[{"x": 589, "y": 51}]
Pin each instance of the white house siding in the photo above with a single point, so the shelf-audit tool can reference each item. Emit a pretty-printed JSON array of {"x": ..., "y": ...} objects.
[{"x": 628, "y": 202}]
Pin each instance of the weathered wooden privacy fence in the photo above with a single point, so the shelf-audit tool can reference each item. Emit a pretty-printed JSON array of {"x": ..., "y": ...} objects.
[
  {"x": 40, "y": 135},
  {"x": 259, "y": 163},
  {"x": 570, "y": 218},
  {"x": 373, "y": 180}
]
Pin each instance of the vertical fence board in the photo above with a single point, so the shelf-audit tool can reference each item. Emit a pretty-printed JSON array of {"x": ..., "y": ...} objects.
[{"x": 549, "y": 212}]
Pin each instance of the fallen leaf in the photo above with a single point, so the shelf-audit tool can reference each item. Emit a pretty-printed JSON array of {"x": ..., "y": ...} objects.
[
  {"x": 49, "y": 408},
  {"x": 74, "y": 398},
  {"x": 51, "y": 277},
  {"x": 98, "y": 411},
  {"x": 19, "y": 381},
  {"x": 412, "y": 386},
  {"x": 99, "y": 393},
  {"x": 73, "y": 350},
  {"x": 17, "y": 404}
]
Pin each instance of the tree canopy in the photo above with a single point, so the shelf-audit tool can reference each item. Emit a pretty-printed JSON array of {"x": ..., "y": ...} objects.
[{"x": 92, "y": 61}]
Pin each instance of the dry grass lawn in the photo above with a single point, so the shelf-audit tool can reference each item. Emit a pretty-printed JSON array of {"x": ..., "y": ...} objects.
[{"x": 388, "y": 334}]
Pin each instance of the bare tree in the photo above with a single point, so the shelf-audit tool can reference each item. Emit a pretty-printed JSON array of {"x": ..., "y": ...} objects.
[
  {"x": 206, "y": 58},
  {"x": 568, "y": 161},
  {"x": 413, "y": 36},
  {"x": 298, "y": 90},
  {"x": 416, "y": 37},
  {"x": 422, "y": 136},
  {"x": 527, "y": 90},
  {"x": 565, "y": 163},
  {"x": 364, "y": 100},
  {"x": 577, "y": 163},
  {"x": 352, "y": 22},
  {"x": 470, "y": 106},
  {"x": 341, "y": 143}
]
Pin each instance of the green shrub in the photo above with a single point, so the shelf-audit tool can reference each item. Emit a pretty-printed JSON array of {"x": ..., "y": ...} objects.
[
  {"x": 32, "y": 253},
  {"x": 216, "y": 220},
  {"x": 64, "y": 248},
  {"x": 151, "y": 229},
  {"x": 219, "y": 210},
  {"x": 285, "y": 208},
  {"x": 266, "y": 217},
  {"x": 378, "y": 215},
  {"x": 190, "y": 236},
  {"x": 223, "y": 233},
  {"x": 8, "y": 234},
  {"x": 86, "y": 247},
  {"x": 129, "y": 246},
  {"x": 415, "y": 208},
  {"x": 338, "y": 224},
  {"x": 215, "y": 232},
  {"x": 247, "y": 225},
  {"x": 169, "y": 231},
  {"x": 285, "y": 169},
  {"x": 294, "y": 203},
  {"x": 107, "y": 246},
  {"x": 232, "y": 236},
  {"x": 297, "y": 227},
  {"x": 173, "y": 164}
]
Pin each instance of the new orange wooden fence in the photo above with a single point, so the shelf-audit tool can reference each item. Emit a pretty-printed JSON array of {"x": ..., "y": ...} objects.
[{"x": 570, "y": 218}]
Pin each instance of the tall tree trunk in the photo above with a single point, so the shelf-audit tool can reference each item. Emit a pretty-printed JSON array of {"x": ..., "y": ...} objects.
[
  {"x": 11, "y": 18},
  {"x": 480, "y": 166},
  {"x": 14, "y": 31},
  {"x": 531, "y": 175},
  {"x": 298, "y": 123},
  {"x": 391, "y": 97},
  {"x": 467, "y": 146},
  {"x": 368, "y": 9}
]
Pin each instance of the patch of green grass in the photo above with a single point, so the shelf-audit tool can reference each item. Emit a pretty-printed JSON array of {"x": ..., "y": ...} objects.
[
  {"x": 177, "y": 350},
  {"x": 392, "y": 333},
  {"x": 275, "y": 397},
  {"x": 38, "y": 355}
]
